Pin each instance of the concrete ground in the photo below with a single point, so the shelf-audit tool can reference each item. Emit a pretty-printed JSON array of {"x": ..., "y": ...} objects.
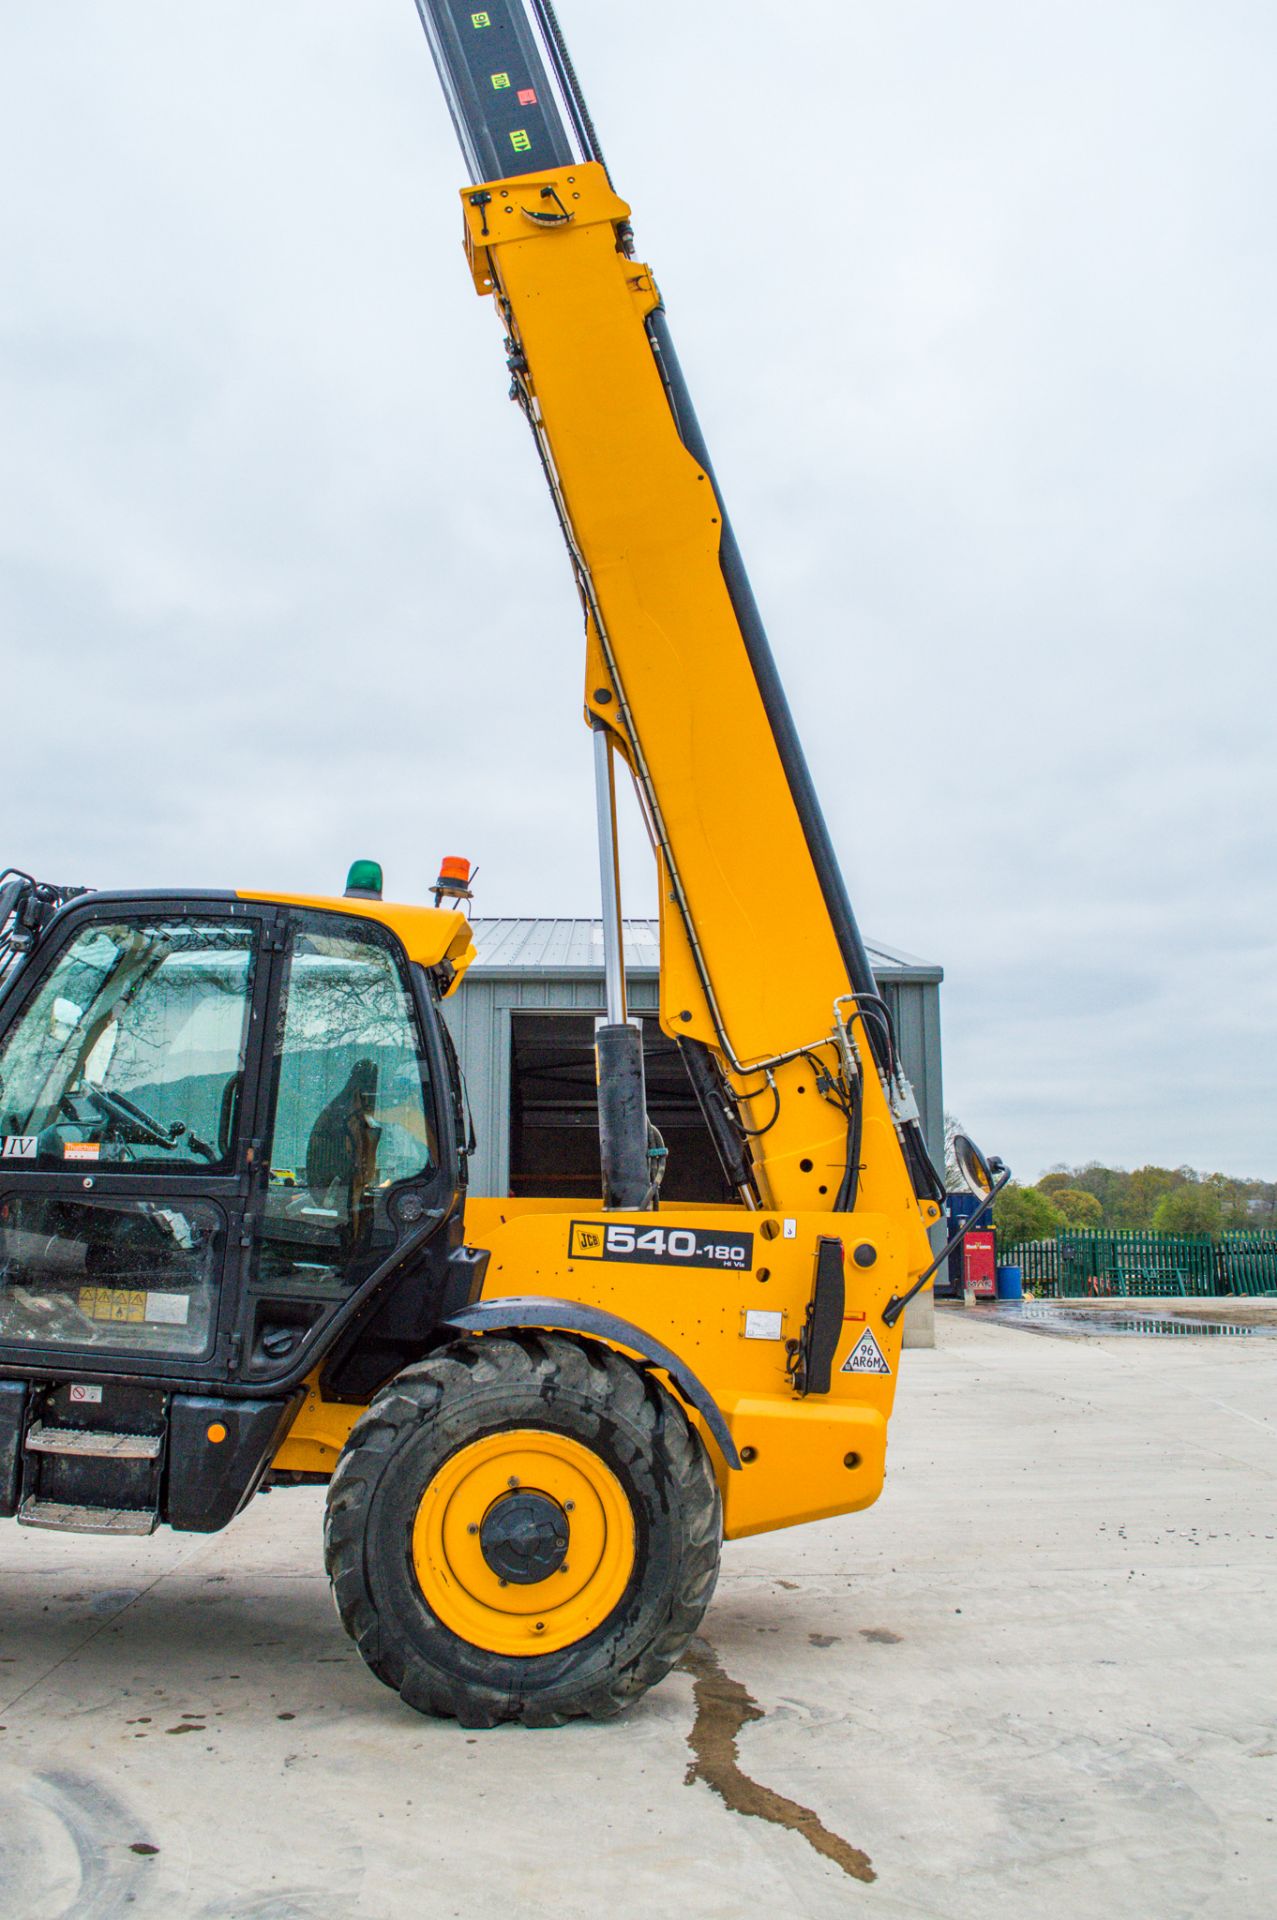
[{"x": 1038, "y": 1679}]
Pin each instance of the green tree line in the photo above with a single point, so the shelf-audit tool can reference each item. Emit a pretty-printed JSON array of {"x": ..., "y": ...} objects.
[{"x": 1167, "y": 1199}]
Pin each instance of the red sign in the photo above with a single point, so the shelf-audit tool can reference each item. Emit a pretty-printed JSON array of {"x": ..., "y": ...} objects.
[{"x": 978, "y": 1266}]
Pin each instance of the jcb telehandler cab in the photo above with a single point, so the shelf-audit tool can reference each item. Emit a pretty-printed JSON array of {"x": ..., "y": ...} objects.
[{"x": 236, "y": 1248}]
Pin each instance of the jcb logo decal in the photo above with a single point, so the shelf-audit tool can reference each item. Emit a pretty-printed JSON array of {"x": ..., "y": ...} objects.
[{"x": 663, "y": 1246}]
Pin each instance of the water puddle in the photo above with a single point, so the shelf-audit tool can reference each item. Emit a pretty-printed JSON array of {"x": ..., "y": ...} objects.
[
  {"x": 723, "y": 1707},
  {"x": 1046, "y": 1316}
]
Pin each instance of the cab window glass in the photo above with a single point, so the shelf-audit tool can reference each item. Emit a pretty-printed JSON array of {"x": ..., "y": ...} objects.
[
  {"x": 352, "y": 1110},
  {"x": 132, "y": 1051},
  {"x": 128, "y": 1275}
]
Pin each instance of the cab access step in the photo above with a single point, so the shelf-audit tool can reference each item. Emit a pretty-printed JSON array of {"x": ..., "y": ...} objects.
[
  {"x": 123, "y": 1458},
  {"x": 93, "y": 1459},
  {"x": 76, "y": 1453}
]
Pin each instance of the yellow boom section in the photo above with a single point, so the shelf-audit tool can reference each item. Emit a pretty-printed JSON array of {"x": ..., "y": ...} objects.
[{"x": 750, "y": 961}]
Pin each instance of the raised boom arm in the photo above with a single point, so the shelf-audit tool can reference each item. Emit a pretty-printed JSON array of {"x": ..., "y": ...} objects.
[{"x": 764, "y": 975}]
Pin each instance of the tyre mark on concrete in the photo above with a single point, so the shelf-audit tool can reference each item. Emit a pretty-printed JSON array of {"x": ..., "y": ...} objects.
[
  {"x": 723, "y": 1707},
  {"x": 96, "y": 1823}
]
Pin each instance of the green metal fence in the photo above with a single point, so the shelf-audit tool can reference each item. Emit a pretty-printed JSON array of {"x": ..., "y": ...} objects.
[
  {"x": 1248, "y": 1262},
  {"x": 1088, "y": 1263},
  {"x": 1038, "y": 1261}
]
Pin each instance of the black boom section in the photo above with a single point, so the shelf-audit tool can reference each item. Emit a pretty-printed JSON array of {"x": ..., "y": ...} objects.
[{"x": 499, "y": 94}]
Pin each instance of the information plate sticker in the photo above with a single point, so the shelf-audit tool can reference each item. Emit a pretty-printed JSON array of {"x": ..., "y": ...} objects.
[
  {"x": 865, "y": 1356},
  {"x": 81, "y": 1150},
  {"x": 169, "y": 1309},
  {"x": 81, "y": 1396},
  {"x": 760, "y": 1325},
  {"x": 21, "y": 1146},
  {"x": 660, "y": 1246}
]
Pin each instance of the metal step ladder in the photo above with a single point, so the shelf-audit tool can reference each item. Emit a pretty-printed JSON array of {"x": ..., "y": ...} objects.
[{"x": 89, "y": 1480}]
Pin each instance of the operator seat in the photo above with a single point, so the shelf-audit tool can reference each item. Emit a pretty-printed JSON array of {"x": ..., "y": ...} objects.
[{"x": 341, "y": 1154}]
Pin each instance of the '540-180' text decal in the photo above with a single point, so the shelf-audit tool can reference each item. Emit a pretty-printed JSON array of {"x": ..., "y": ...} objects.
[{"x": 663, "y": 1246}]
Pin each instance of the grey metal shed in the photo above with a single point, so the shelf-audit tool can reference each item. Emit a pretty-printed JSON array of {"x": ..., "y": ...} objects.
[{"x": 523, "y": 1022}]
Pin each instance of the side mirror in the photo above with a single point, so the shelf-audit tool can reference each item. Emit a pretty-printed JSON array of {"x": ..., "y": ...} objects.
[{"x": 973, "y": 1166}]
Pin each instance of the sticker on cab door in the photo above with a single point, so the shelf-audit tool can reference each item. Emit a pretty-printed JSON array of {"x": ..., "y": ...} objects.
[{"x": 659, "y": 1246}]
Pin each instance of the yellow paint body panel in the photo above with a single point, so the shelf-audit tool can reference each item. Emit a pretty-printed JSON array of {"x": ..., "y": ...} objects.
[
  {"x": 798, "y": 1469},
  {"x": 321, "y": 1429}
]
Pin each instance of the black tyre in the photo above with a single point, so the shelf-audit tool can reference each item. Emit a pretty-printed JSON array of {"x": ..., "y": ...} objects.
[{"x": 522, "y": 1527}]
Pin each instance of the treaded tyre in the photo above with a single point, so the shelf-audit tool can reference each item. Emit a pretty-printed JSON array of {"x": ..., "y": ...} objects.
[{"x": 522, "y": 1527}]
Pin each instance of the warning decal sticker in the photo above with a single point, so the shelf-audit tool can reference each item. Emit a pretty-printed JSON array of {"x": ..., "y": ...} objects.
[{"x": 865, "y": 1356}]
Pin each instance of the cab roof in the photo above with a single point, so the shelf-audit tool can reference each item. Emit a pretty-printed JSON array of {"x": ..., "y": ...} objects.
[{"x": 432, "y": 936}]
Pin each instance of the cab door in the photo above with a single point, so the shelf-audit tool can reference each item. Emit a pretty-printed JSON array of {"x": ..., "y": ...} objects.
[
  {"x": 128, "y": 1072},
  {"x": 351, "y": 1169}
]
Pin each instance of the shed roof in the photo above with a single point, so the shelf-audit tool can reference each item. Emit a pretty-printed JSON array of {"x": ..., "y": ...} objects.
[{"x": 557, "y": 947}]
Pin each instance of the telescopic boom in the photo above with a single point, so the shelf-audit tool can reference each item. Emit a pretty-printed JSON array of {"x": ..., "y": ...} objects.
[{"x": 763, "y": 966}]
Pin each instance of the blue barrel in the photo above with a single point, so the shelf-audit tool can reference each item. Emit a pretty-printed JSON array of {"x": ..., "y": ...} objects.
[{"x": 1010, "y": 1283}]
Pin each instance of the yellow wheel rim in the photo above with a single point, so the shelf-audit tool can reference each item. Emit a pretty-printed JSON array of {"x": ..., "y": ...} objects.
[{"x": 468, "y": 1594}]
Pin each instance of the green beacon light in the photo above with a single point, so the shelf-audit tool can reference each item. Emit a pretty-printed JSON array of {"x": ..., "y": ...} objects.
[{"x": 363, "y": 882}]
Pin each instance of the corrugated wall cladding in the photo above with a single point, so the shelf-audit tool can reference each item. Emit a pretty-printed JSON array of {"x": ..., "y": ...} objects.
[{"x": 557, "y": 965}]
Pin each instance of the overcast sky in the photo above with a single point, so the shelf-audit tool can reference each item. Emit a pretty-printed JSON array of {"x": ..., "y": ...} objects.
[{"x": 977, "y": 305}]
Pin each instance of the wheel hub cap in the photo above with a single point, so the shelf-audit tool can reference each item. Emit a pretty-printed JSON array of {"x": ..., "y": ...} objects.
[
  {"x": 524, "y": 1541},
  {"x": 524, "y": 1538}
]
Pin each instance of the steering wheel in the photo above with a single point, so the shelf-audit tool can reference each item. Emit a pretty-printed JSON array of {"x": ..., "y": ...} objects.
[{"x": 115, "y": 1107}]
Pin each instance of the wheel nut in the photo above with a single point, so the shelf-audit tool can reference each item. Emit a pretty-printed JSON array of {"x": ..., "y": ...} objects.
[
  {"x": 503, "y": 1583},
  {"x": 540, "y": 1626},
  {"x": 512, "y": 1481},
  {"x": 472, "y": 1528},
  {"x": 569, "y": 1506},
  {"x": 564, "y": 1567}
]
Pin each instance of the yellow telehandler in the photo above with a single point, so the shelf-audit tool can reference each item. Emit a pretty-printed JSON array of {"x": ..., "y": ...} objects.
[{"x": 236, "y": 1245}]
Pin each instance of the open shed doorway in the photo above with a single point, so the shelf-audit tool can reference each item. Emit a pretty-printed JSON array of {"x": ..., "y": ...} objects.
[{"x": 554, "y": 1116}]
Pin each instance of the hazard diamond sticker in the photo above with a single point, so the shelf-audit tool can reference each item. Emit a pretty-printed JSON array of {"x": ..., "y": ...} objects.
[{"x": 865, "y": 1356}]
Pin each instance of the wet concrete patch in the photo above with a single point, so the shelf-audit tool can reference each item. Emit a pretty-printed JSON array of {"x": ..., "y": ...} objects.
[
  {"x": 723, "y": 1707},
  {"x": 1050, "y": 1317}
]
